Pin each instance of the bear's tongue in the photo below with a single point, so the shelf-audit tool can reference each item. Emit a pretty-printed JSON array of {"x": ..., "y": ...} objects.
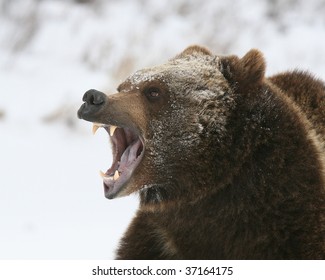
[
  {"x": 127, "y": 146},
  {"x": 129, "y": 155}
]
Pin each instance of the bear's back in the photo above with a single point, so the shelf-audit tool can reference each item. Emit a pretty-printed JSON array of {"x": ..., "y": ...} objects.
[{"x": 308, "y": 94}]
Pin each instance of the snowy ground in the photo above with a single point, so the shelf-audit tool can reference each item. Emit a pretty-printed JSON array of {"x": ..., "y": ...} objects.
[{"x": 51, "y": 52}]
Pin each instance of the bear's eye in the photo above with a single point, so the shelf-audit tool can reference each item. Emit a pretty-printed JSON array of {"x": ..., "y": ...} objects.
[{"x": 152, "y": 93}]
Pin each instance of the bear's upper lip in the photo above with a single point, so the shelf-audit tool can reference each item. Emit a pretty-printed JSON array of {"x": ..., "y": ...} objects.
[{"x": 128, "y": 150}]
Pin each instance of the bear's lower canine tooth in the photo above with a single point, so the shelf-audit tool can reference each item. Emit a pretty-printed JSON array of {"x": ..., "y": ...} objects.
[
  {"x": 116, "y": 175},
  {"x": 112, "y": 130}
]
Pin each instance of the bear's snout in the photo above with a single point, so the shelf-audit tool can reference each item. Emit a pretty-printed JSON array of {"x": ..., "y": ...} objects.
[{"x": 94, "y": 101}]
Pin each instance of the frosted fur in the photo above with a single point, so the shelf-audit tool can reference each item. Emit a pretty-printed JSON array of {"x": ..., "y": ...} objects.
[
  {"x": 203, "y": 71},
  {"x": 197, "y": 91}
]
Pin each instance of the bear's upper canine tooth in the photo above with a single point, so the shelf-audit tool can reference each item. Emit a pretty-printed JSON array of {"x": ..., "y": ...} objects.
[
  {"x": 116, "y": 175},
  {"x": 102, "y": 174},
  {"x": 112, "y": 129},
  {"x": 95, "y": 128}
]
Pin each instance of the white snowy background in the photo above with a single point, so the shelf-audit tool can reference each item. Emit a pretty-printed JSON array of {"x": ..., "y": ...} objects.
[{"x": 51, "y": 197}]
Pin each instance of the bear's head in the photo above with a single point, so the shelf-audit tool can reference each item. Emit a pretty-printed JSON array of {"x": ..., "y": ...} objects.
[{"x": 169, "y": 125}]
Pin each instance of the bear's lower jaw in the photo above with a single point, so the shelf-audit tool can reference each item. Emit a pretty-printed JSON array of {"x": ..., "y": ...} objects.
[{"x": 128, "y": 151}]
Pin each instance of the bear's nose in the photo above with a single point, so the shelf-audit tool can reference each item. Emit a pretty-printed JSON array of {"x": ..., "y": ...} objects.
[
  {"x": 94, "y": 101},
  {"x": 94, "y": 97}
]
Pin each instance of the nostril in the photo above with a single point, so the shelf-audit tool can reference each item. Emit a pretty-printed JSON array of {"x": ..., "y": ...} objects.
[
  {"x": 94, "y": 97},
  {"x": 98, "y": 98}
]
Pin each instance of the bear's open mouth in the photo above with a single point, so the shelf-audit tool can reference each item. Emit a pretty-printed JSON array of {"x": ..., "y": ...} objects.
[{"x": 128, "y": 150}]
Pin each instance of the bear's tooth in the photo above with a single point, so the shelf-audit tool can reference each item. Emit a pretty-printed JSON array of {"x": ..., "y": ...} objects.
[
  {"x": 95, "y": 128},
  {"x": 102, "y": 174},
  {"x": 112, "y": 129},
  {"x": 116, "y": 175}
]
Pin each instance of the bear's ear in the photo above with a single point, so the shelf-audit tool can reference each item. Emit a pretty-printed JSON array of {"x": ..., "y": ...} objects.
[
  {"x": 245, "y": 72},
  {"x": 194, "y": 50}
]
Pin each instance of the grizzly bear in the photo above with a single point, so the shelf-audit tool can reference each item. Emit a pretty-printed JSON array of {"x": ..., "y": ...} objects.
[{"x": 228, "y": 164}]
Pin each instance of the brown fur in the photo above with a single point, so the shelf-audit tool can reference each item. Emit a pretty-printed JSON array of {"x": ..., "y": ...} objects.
[
  {"x": 234, "y": 161},
  {"x": 308, "y": 93}
]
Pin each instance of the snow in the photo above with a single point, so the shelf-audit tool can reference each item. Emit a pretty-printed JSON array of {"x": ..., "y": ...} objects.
[{"x": 51, "y": 52}]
